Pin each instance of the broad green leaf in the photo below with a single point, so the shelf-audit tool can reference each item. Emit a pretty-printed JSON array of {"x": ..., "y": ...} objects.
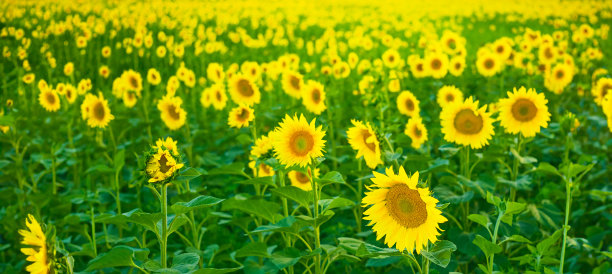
[
  {"x": 514, "y": 207},
  {"x": 188, "y": 174},
  {"x": 322, "y": 218},
  {"x": 332, "y": 177},
  {"x": 336, "y": 202},
  {"x": 286, "y": 258},
  {"x": 100, "y": 168},
  {"x": 231, "y": 169},
  {"x": 479, "y": 219},
  {"x": 363, "y": 249},
  {"x": 440, "y": 254},
  {"x": 258, "y": 207},
  {"x": 523, "y": 159},
  {"x": 382, "y": 261},
  {"x": 176, "y": 223},
  {"x": 119, "y": 160},
  {"x": 185, "y": 262},
  {"x": 287, "y": 224},
  {"x": 257, "y": 249},
  {"x": 543, "y": 247},
  {"x": 516, "y": 238},
  {"x": 487, "y": 247},
  {"x": 492, "y": 199},
  {"x": 197, "y": 203},
  {"x": 548, "y": 168},
  {"x": 217, "y": 270},
  {"x": 118, "y": 256},
  {"x": 293, "y": 193}
]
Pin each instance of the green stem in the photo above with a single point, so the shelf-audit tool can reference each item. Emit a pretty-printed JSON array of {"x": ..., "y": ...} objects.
[
  {"x": 494, "y": 240},
  {"x": 93, "y": 233},
  {"x": 568, "y": 204},
  {"x": 164, "y": 237},
  {"x": 515, "y": 167},
  {"x": 315, "y": 200}
]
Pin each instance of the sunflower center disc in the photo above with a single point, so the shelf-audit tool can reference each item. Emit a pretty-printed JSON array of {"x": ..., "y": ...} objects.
[
  {"x": 244, "y": 88},
  {"x": 436, "y": 64},
  {"x": 409, "y": 105},
  {"x": 417, "y": 132},
  {"x": 366, "y": 134},
  {"x": 302, "y": 143},
  {"x": 406, "y": 206},
  {"x": 489, "y": 64},
  {"x": 295, "y": 82},
  {"x": 316, "y": 95},
  {"x": 301, "y": 177},
  {"x": 50, "y": 98},
  {"x": 173, "y": 112},
  {"x": 99, "y": 111},
  {"x": 467, "y": 122},
  {"x": 163, "y": 164},
  {"x": 524, "y": 110},
  {"x": 450, "y": 98}
]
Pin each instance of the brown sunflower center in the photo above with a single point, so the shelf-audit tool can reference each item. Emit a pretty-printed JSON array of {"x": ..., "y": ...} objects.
[
  {"x": 302, "y": 178},
  {"x": 295, "y": 82},
  {"x": 134, "y": 82},
  {"x": 391, "y": 58},
  {"x": 436, "y": 64},
  {"x": 457, "y": 66},
  {"x": 301, "y": 143},
  {"x": 409, "y": 104},
  {"x": 419, "y": 67},
  {"x": 173, "y": 112},
  {"x": 450, "y": 98},
  {"x": 406, "y": 206},
  {"x": 467, "y": 122},
  {"x": 489, "y": 63},
  {"x": 316, "y": 95},
  {"x": 548, "y": 53},
  {"x": 365, "y": 134},
  {"x": 243, "y": 115},
  {"x": 524, "y": 110},
  {"x": 50, "y": 98},
  {"x": 218, "y": 95},
  {"x": 417, "y": 131},
  {"x": 163, "y": 164},
  {"x": 98, "y": 111},
  {"x": 559, "y": 74},
  {"x": 265, "y": 168},
  {"x": 500, "y": 49},
  {"x": 605, "y": 89},
  {"x": 451, "y": 43},
  {"x": 244, "y": 88}
]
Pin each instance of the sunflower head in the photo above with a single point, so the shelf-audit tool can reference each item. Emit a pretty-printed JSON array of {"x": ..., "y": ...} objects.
[
  {"x": 240, "y": 116},
  {"x": 163, "y": 161},
  {"x": 363, "y": 139},
  {"x": 297, "y": 142},
  {"x": 464, "y": 123},
  {"x": 448, "y": 95},
  {"x": 302, "y": 179},
  {"x": 417, "y": 131},
  {"x": 408, "y": 104},
  {"x": 37, "y": 248},
  {"x": 524, "y": 111},
  {"x": 401, "y": 211}
]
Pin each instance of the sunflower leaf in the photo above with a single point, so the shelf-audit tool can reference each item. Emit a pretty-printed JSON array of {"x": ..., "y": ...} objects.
[
  {"x": 118, "y": 256},
  {"x": 487, "y": 247},
  {"x": 197, "y": 203},
  {"x": 441, "y": 253},
  {"x": 295, "y": 194}
]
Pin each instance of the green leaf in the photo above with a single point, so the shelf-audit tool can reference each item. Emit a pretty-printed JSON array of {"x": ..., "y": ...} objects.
[
  {"x": 543, "y": 247},
  {"x": 492, "y": 199},
  {"x": 257, "y": 249},
  {"x": 363, "y": 249},
  {"x": 185, "y": 262},
  {"x": 231, "y": 169},
  {"x": 332, "y": 177},
  {"x": 516, "y": 238},
  {"x": 287, "y": 224},
  {"x": 259, "y": 181},
  {"x": 118, "y": 256},
  {"x": 548, "y": 168},
  {"x": 479, "y": 219},
  {"x": 440, "y": 254},
  {"x": 286, "y": 258},
  {"x": 100, "y": 168},
  {"x": 487, "y": 247},
  {"x": 329, "y": 204},
  {"x": 188, "y": 174},
  {"x": 176, "y": 223},
  {"x": 119, "y": 160},
  {"x": 523, "y": 159},
  {"x": 323, "y": 217},
  {"x": 197, "y": 203},
  {"x": 216, "y": 270},
  {"x": 514, "y": 208},
  {"x": 382, "y": 261},
  {"x": 295, "y": 194},
  {"x": 258, "y": 207}
]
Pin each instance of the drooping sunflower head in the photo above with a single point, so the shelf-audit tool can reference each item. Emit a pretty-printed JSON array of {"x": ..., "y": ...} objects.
[
  {"x": 465, "y": 124},
  {"x": 313, "y": 97},
  {"x": 244, "y": 91},
  {"x": 403, "y": 213},
  {"x": 408, "y": 104},
  {"x": 163, "y": 161},
  {"x": 38, "y": 249},
  {"x": 524, "y": 111},
  {"x": 448, "y": 95},
  {"x": 363, "y": 138},
  {"x": 297, "y": 142},
  {"x": 49, "y": 100},
  {"x": 240, "y": 116},
  {"x": 293, "y": 83},
  {"x": 417, "y": 131},
  {"x": 262, "y": 170}
]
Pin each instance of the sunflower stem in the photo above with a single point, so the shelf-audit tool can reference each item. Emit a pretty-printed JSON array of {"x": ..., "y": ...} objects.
[
  {"x": 164, "y": 236},
  {"x": 515, "y": 167},
  {"x": 494, "y": 239},
  {"x": 568, "y": 203},
  {"x": 93, "y": 232},
  {"x": 315, "y": 200}
]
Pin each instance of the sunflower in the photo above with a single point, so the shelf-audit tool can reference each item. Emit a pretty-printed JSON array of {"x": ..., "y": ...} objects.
[
  {"x": 292, "y": 83},
  {"x": 487, "y": 64},
  {"x": 70, "y": 93},
  {"x": 448, "y": 95},
  {"x": 244, "y": 91},
  {"x": 262, "y": 170},
  {"x": 417, "y": 132},
  {"x": 436, "y": 64},
  {"x": 173, "y": 115},
  {"x": 606, "y": 104},
  {"x": 129, "y": 99},
  {"x": 301, "y": 180},
  {"x": 401, "y": 211},
  {"x": 417, "y": 67},
  {"x": 465, "y": 124},
  {"x": 218, "y": 96},
  {"x": 99, "y": 114},
  {"x": 547, "y": 54},
  {"x": 313, "y": 97},
  {"x": 408, "y": 104},
  {"x": 240, "y": 116},
  {"x": 558, "y": 77},
  {"x": 601, "y": 89},
  {"x": 36, "y": 251},
  {"x": 262, "y": 145},
  {"x": 391, "y": 58},
  {"x": 163, "y": 161},
  {"x": 153, "y": 77},
  {"x": 104, "y": 71},
  {"x": 297, "y": 142},
  {"x": 132, "y": 80},
  {"x": 456, "y": 66},
  {"x": 29, "y": 78},
  {"x": 363, "y": 139},
  {"x": 524, "y": 111},
  {"x": 49, "y": 100}
]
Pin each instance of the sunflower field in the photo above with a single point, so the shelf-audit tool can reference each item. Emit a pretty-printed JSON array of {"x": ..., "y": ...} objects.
[{"x": 305, "y": 136}]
